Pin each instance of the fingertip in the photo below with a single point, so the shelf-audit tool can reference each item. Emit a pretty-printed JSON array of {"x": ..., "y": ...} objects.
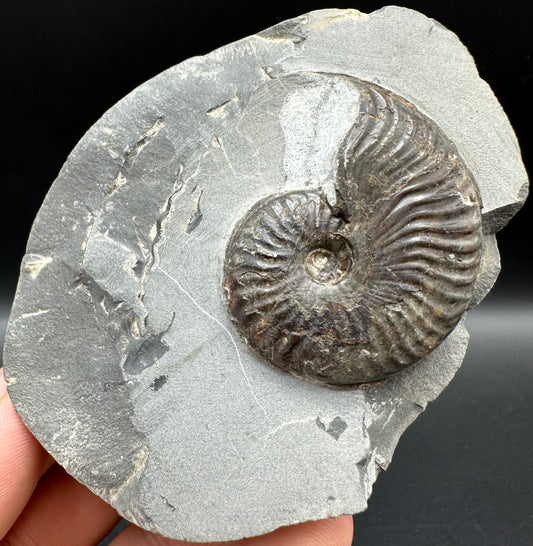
[
  {"x": 3, "y": 384},
  {"x": 345, "y": 530},
  {"x": 16, "y": 442},
  {"x": 327, "y": 532},
  {"x": 22, "y": 462},
  {"x": 63, "y": 511}
]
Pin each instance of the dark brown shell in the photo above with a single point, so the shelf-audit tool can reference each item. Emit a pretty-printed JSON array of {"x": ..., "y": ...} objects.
[{"x": 352, "y": 293}]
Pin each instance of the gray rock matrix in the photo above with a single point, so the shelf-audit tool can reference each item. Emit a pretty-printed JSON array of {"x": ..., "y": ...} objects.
[{"x": 120, "y": 353}]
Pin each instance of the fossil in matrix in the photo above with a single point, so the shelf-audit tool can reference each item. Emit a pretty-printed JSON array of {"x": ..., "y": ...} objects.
[
  {"x": 351, "y": 291},
  {"x": 251, "y": 274}
]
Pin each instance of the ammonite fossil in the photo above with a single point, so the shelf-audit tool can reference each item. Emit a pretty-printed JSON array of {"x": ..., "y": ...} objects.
[
  {"x": 352, "y": 291},
  {"x": 259, "y": 210}
]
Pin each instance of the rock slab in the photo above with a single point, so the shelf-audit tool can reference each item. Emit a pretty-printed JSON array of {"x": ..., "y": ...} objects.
[{"x": 120, "y": 354}]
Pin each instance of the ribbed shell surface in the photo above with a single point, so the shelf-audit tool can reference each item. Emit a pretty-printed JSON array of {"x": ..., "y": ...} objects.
[{"x": 350, "y": 292}]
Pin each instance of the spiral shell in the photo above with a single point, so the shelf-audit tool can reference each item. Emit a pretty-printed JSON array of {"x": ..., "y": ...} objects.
[{"x": 350, "y": 292}]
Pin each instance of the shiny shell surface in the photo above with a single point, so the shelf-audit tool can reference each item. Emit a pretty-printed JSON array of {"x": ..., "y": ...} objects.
[{"x": 352, "y": 291}]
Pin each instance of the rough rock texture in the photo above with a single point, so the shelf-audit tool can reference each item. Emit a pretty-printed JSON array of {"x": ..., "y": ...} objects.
[{"x": 120, "y": 353}]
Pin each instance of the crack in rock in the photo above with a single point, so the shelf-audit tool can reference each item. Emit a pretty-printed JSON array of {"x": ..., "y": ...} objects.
[
  {"x": 132, "y": 153},
  {"x": 138, "y": 350}
]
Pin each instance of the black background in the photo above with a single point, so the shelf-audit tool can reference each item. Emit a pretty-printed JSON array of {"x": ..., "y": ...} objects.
[{"x": 462, "y": 474}]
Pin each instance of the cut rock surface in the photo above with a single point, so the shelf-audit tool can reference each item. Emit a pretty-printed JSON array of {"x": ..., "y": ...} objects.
[{"x": 120, "y": 354}]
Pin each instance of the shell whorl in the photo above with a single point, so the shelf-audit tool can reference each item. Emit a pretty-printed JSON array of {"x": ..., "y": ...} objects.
[{"x": 351, "y": 292}]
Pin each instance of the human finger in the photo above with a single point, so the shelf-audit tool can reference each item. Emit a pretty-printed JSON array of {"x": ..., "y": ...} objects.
[
  {"x": 327, "y": 532},
  {"x": 3, "y": 386},
  {"x": 22, "y": 463},
  {"x": 63, "y": 511}
]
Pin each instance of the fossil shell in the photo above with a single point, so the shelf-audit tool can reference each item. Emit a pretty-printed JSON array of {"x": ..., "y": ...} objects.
[{"x": 352, "y": 291}]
